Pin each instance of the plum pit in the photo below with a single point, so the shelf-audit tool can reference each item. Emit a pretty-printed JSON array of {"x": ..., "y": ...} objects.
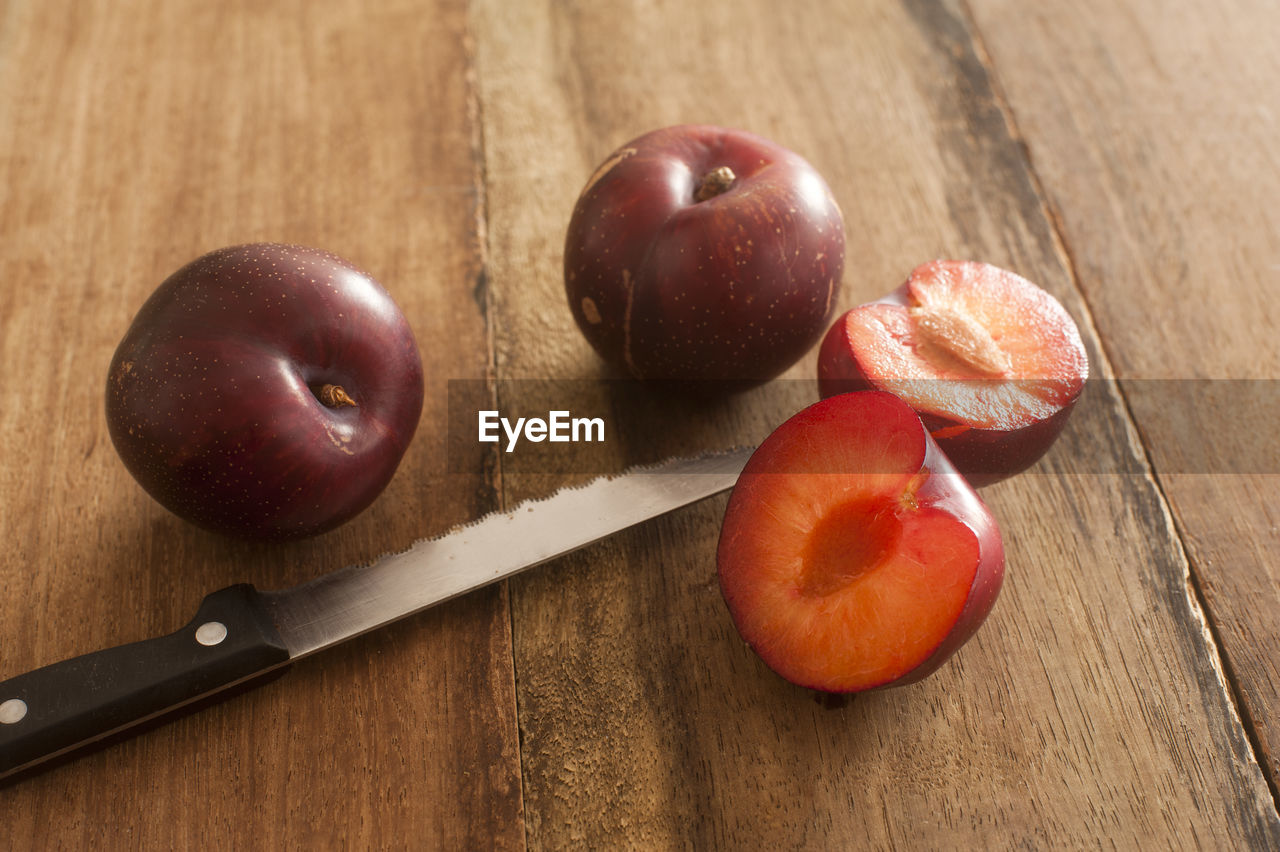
[{"x": 958, "y": 343}]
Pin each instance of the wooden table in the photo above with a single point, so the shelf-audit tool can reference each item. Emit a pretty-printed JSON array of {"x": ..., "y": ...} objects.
[{"x": 1122, "y": 154}]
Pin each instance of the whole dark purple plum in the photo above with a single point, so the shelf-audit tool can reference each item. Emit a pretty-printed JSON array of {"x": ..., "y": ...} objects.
[
  {"x": 700, "y": 253},
  {"x": 265, "y": 391}
]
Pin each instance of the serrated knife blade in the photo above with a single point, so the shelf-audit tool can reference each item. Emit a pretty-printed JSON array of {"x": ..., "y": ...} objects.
[
  {"x": 335, "y": 607},
  {"x": 240, "y": 633}
]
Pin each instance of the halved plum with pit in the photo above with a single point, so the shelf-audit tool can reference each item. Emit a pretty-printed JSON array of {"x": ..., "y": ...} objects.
[{"x": 992, "y": 363}]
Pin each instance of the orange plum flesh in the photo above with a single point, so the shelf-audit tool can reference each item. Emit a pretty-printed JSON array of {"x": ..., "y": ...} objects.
[{"x": 853, "y": 556}]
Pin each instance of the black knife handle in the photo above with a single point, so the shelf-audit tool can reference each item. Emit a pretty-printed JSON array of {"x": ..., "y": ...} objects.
[{"x": 61, "y": 707}]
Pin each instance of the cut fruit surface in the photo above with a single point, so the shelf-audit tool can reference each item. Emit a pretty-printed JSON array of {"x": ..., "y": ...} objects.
[
  {"x": 852, "y": 555},
  {"x": 968, "y": 346},
  {"x": 847, "y": 543},
  {"x": 971, "y": 342}
]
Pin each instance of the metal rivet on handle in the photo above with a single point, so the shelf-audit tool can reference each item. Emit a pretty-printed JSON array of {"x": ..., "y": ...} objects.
[
  {"x": 13, "y": 711},
  {"x": 211, "y": 633}
]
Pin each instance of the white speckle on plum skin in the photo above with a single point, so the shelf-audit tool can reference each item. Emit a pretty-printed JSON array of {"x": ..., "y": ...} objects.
[{"x": 590, "y": 311}]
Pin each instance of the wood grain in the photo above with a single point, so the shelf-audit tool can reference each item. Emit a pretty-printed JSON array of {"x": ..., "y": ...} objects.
[
  {"x": 1152, "y": 128},
  {"x": 1087, "y": 712},
  {"x": 133, "y": 137},
  {"x": 605, "y": 700}
]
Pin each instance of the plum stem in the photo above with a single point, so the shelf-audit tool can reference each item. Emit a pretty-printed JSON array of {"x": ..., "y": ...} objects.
[
  {"x": 334, "y": 396},
  {"x": 714, "y": 182}
]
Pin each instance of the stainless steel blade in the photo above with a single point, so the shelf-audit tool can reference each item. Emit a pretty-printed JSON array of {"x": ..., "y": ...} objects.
[{"x": 360, "y": 598}]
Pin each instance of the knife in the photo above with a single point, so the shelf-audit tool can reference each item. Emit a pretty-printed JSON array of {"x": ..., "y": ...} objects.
[{"x": 240, "y": 633}]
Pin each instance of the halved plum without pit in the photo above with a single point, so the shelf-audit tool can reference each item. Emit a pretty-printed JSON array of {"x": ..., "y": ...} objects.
[{"x": 853, "y": 555}]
